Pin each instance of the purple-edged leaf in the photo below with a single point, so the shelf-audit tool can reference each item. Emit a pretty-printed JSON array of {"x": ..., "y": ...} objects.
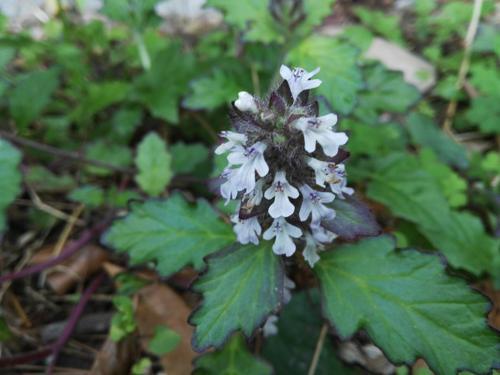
[
  {"x": 241, "y": 287},
  {"x": 353, "y": 220}
]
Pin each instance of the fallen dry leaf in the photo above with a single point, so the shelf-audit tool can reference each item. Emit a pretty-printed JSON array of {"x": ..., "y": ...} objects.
[
  {"x": 156, "y": 305},
  {"x": 75, "y": 269},
  {"x": 116, "y": 358},
  {"x": 494, "y": 295}
]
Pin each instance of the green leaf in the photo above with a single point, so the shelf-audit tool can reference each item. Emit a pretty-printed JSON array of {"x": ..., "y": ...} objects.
[
  {"x": 99, "y": 96},
  {"x": 339, "y": 71},
  {"x": 186, "y": 157},
  {"x": 170, "y": 232},
  {"x": 123, "y": 322},
  {"x": 241, "y": 287},
  {"x": 425, "y": 132},
  {"x": 43, "y": 180},
  {"x": 485, "y": 112},
  {"x": 90, "y": 195},
  {"x": 353, "y": 219},
  {"x": 5, "y": 334},
  {"x": 161, "y": 88},
  {"x": 142, "y": 366},
  {"x": 212, "y": 91},
  {"x": 408, "y": 306},
  {"x": 292, "y": 349},
  {"x": 234, "y": 358},
  {"x": 380, "y": 22},
  {"x": 31, "y": 95},
  {"x": 10, "y": 178},
  {"x": 251, "y": 16},
  {"x": 153, "y": 162},
  {"x": 164, "y": 341},
  {"x": 403, "y": 185},
  {"x": 386, "y": 91},
  {"x": 114, "y": 154}
]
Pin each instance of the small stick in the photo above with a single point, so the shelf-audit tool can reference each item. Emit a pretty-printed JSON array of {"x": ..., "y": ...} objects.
[
  {"x": 68, "y": 251},
  {"x": 464, "y": 66},
  {"x": 63, "y": 154},
  {"x": 317, "y": 351}
]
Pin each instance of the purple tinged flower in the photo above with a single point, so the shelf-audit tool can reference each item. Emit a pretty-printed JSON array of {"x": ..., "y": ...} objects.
[
  {"x": 331, "y": 173},
  {"x": 233, "y": 139},
  {"x": 251, "y": 160},
  {"x": 313, "y": 204},
  {"x": 247, "y": 230},
  {"x": 283, "y": 232},
  {"x": 281, "y": 190},
  {"x": 299, "y": 79}
]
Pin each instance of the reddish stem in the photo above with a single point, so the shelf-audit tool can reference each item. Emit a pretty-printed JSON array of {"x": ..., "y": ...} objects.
[
  {"x": 73, "y": 319},
  {"x": 67, "y": 252},
  {"x": 25, "y": 358}
]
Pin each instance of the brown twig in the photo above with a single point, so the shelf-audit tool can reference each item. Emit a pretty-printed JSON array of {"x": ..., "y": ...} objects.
[
  {"x": 464, "y": 66},
  {"x": 62, "y": 153},
  {"x": 318, "y": 349}
]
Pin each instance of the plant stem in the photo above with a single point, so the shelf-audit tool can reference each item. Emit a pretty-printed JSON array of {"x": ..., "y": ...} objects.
[
  {"x": 63, "y": 154},
  {"x": 73, "y": 319},
  {"x": 317, "y": 351}
]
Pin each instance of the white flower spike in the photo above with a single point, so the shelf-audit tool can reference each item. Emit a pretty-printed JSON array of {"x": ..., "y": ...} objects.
[
  {"x": 320, "y": 130},
  {"x": 313, "y": 204},
  {"x": 281, "y": 191},
  {"x": 283, "y": 232},
  {"x": 246, "y": 102},
  {"x": 299, "y": 79}
]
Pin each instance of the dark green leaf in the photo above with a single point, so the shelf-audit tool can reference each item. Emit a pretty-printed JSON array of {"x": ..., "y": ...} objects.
[
  {"x": 380, "y": 22},
  {"x": 353, "y": 219},
  {"x": 292, "y": 349},
  {"x": 42, "y": 180},
  {"x": 31, "y": 95},
  {"x": 339, "y": 71},
  {"x": 242, "y": 286},
  {"x": 234, "y": 358},
  {"x": 90, "y": 195},
  {"x": 114, "y": 154},
  {"x": 408, "y": 306},
  {"x": 186, "y": 157},
  {"x": 485, "y": 113},
  {"x": 170, "y": 232},
  {"x": 10, "y": 178}
]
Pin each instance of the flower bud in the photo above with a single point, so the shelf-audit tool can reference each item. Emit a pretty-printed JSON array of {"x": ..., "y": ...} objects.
[{"x": 246, "y": 102}]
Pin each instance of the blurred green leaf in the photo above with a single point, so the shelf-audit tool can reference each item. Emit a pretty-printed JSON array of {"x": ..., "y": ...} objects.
[
  {"x": 485, "y": 113},
  {"x": 251, "y": 16},
  {"x": 408, "y": 306},
  {"x": 5, "y": 333},
  {"x": 241, "y": 287},
  {"x": 376, "y": 140},
  {"x": 142, "y": 366},
  {"x": 233, "y": 358},
  {"x": 161, "y": 88},
  {"x": 31, "y": 95},
  {"x": 339, "y": 71},
  {"x": 164, "y": 341},
  {"x": 90, "y": 195},
  {"x": 380, "y": 22},
  {"x": 123, "y": 322},
  {"x": 170, "y": 232},
  {"x": 186, "y": 157},
  {"x": 10, "y": 178},
  {"x": 153, "y": 162},
  {"x": 43, "y": 180},
  {"x": 114, "y": 154},
  {"x": 425, "y": 132}
]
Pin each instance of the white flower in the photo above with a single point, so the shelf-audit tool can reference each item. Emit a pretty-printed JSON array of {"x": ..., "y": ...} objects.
[
  {"x": 251, "y": 160},
  {"x": 253, "y": 198},
  {"x": 319, "y": 129},
  {"x": 312, "y": 204},
  {"x": 270, "y": 328},
  {"x": 233, "y": 139},
  {"x": 247, "y": 230},
  {"x": 280, "y": 190},
  {"x": 299, "y": 79},
  {"x": 229, "y": 189},
  {"x": 331, "y": 173},
  {"x": 322, "y": 235},
  {"x": 283, "y": 232},
  {"x": 310, "y": 252},
  {"x": 246, "y": 102},
  {"x": 288, "y": 286}
]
